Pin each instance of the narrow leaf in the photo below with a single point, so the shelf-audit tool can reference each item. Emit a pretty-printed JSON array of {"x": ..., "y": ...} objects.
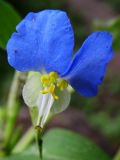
[{"x": 9, "y": 18}]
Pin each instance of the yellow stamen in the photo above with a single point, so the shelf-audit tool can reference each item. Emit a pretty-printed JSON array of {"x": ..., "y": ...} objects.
[
  {"x": 45, "y": 80},
  {"x": 51, "y": 88},
  {"x": 53, "y": 76},
  {"x": 50, "y": 82},
  {"x": 62, "y": 84},
  {"x": 44, "y": 91},
  {"x": 55, "y": 96}
]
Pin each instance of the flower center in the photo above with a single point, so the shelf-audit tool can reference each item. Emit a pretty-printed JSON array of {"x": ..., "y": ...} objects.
[{"x": 51, "y": 82}]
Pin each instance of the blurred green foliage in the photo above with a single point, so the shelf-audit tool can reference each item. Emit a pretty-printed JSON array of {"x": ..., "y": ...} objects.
[
  {"x": 103, "y": 111},
  {"x": 67, "y": 146},
  {"x": 8, "y": 21},
  {"x": 114, "y": 3}
]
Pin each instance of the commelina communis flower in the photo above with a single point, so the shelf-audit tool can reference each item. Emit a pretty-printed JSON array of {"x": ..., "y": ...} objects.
[{"x": 44, "y": 43}]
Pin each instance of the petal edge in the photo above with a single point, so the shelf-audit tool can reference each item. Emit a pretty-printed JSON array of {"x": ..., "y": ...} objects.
[{"x": 86, "y": 72}]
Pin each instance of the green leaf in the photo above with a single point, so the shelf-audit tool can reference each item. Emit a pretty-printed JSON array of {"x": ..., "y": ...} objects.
[
  {"x": 65, "y": 145},
  {"x": 117, "y": 156},
  {"x": 30, "y": 154},
  {"x": 59, "y": 144},
  {"x": 9, "y": 18},
  {"x": 21, "y": 157}
]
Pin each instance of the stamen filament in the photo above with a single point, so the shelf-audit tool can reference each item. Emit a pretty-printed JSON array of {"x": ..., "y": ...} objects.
[
  {"x": 47, "y": 109},
  {"x": 42, "y": 104}
]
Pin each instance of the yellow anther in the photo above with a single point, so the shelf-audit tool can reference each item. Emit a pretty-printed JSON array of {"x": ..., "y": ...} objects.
[
  {"x": 45, "y": 80},
  {"x": 50, "y": 82},
  {"x": 53, "y": 76},
  {"x": 44, "y": 91},
  {"x": 62, "y": 84},
  {"x": 51, "y": 88}
]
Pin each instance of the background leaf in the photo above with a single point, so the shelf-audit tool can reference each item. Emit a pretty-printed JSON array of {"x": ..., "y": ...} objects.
[
  {"x": 59, "y": 144},
  {"x": 9, "y": 18},
  {"x": 65, "y": 145}
]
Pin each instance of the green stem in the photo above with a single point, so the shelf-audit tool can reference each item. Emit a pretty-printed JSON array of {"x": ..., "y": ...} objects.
[
  {"x": 13, "y": 91},
  {"x": 39, "y": 140},
  {"x": 16, "y": 137},
  {"x": 12, "y": 108},
  {"x": 24, "y": 141}
]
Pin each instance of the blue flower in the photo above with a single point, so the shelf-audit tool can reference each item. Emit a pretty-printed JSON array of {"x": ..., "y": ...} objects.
[{"x": 44, "y": 41}]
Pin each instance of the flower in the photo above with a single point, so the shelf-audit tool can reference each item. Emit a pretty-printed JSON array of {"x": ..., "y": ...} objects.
[{"x": 44, "y": 42}]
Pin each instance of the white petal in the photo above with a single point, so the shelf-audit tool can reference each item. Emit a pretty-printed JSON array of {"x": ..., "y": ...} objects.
[
  {"x": 31, "y": 90},
  {"x": 47, "y": 110},
  {"x": 42, "y": 103},
  {"x": 62, "y": 103}
]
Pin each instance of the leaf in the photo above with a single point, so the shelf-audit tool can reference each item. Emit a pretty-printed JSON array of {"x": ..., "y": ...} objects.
[
  {"x": 65, "y": 145},
  {"x": 9, "y": 18},
  {"x": 117, "y": 156},
  {"x": 21, "y": 157},
  {"x": 30, "y": 154},
  {"x": 59, "y": 144}
]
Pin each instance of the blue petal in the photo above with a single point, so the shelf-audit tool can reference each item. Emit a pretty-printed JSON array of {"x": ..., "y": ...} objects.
[
  {"x": 42, "y": 41},
  {"x": 87, "y": 69}
]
